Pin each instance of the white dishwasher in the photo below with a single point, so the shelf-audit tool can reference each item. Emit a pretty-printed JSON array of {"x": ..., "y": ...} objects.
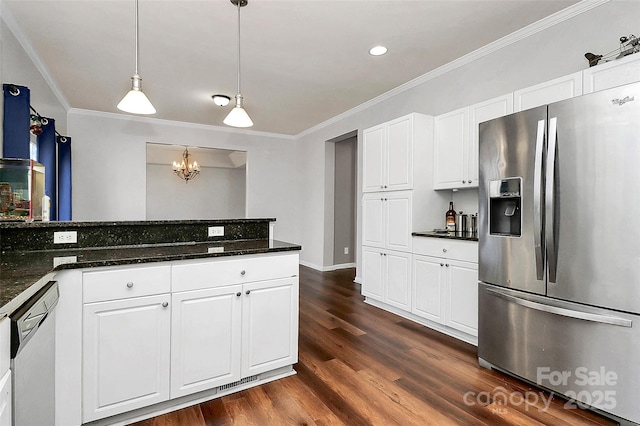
[{"x": 33, "y": 358}]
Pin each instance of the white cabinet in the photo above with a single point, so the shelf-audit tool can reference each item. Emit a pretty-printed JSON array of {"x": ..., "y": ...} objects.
[
  {"x": 387, "y": 277},
  {"x": 232, "y": 318},
  {"x": 126, "y": 357},
  {"x": 555, "y": 90},
  {"x": 5, "y": 373},
  {"x": 205, "y": 339},
  {"x": 456, "y": 142},
  {"x": 445, "y": 283},
  {"x": 611, "y": 74},
  {"x": 390, "y": 150},
  {"x": 387, "y": 220},
  {"x": 269, "y": 325},
  {"x": 451, "y": 149}
]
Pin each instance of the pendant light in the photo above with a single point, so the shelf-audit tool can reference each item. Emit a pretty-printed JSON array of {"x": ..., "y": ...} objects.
[
  {"x": 136, "y": 102},
  {"x": 238, "y": 117}
]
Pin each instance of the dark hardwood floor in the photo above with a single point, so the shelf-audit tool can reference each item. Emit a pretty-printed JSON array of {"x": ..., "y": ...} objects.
[{"x": 360, "y": 365}]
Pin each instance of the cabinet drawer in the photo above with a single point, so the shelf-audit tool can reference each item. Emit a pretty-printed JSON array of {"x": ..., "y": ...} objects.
[
  {"x": 194, "y": 275},
  {"x": 116, "y": 284},
  {"x": 450, "y": 249}
]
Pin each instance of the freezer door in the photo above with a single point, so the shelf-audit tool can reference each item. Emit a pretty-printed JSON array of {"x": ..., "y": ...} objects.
[
  {"x": 585, "y": 353},
  {"x": 594, "y": 249},
  {"x": 512, "y": 150}
]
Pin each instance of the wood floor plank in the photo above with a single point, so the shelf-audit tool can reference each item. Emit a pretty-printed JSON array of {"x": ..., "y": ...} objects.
[{"x": 360, "y": 365}]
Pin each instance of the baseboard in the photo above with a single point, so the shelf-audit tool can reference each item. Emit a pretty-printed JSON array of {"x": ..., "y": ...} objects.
[{"x": 327, "y": 268}]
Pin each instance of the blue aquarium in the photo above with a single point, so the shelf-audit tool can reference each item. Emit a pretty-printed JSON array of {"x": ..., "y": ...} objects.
[{"x": 21, "y": 189}]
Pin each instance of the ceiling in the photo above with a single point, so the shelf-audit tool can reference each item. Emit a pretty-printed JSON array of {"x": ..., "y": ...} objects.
[{"x": 303, "y": 61}]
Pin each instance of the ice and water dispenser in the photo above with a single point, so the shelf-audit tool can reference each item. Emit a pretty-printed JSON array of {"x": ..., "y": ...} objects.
[{"x": 505, "y": 200}]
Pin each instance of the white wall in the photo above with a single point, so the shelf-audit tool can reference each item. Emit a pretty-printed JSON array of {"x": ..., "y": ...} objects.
[
  {"x": 109, "y": 172},
  {"x": 553, "y": 52}
]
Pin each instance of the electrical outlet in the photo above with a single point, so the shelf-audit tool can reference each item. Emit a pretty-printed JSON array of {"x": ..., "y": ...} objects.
[
  {"x": 346, "y": 250},
  {"x": 65, "y": 237},
  {"x": 216, "y": 231}
]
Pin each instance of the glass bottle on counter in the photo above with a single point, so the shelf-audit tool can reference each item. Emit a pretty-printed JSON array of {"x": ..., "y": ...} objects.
[{"x": 451, "y": 218}]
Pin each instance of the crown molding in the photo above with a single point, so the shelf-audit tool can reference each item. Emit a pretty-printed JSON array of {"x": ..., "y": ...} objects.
[
  {"x": 541, "y": 25},
  {"x": 146, "y": 119},
  {"x": 14, "y": 27}
]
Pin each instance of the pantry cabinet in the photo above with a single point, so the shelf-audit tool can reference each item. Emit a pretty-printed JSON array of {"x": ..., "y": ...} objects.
[
  {"x": 611, "y": 74},
  {"x": 445, "y": 284},
  {"x": 390, "y": 150},
  {"x": 456, "y": 142},
  {"x": 387, "y": 277},
  {"x": 387, "y": 220},
  {"x": 555, "y": 90}
]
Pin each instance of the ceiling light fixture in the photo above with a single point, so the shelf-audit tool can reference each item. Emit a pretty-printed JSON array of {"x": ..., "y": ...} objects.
[
  {"x": 221, "y": 100},
  {"x": 136, "y": 102},
  {"x": 186, "y": 170},
  {"x": 238, "y": 117},
  {"x": 377, "y": 50}
]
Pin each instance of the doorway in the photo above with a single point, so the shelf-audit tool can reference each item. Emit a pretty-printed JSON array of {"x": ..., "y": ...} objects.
[{"x": 340, "y": 201}]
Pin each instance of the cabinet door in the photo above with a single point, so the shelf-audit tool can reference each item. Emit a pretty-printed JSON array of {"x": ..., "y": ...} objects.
[
  {"x": 611, "y": 74},
  {"x": 559, "y": 89},
  {"x": 373, "y": 219},
  {"x": 478, "y": 113},
  {"x": 372, "y": 273},
  {"x": 397, "y": 220},
  {"x": 451, "y": 141},
  {"x": 126, "y": 346},
  {"x": 462, "y": 296},
  {"x": 399, "y": 154},
  {"x": 428, "y": 288},
  {"x": 269, "y": 325},
  {"x": 374, "y": 147},
  {"x": 205, "y": 339},
  {"x": 397, "y": 279}
]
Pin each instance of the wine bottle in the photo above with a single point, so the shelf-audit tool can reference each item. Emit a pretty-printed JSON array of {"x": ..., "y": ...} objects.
[{"x": 451, "y": 218}]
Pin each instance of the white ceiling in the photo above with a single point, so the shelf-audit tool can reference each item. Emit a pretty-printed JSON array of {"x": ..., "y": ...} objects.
[{"x": 303, "y": 61}]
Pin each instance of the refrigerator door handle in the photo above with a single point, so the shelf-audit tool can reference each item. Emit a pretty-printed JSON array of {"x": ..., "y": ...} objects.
[
  {"x": 550, "y": 202},
  {"x": 537, "y": 201},
  {"x": 557, "y": 310}
]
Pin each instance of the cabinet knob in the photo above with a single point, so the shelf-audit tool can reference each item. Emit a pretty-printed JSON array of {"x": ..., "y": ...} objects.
[
  {"x": 243, "y": 272},
  {"x": 464, "y": 181},
  {"x": 444, "y": 250},
  {"x": 381, "y": 199},
  {"x": 248, "y": 292},
  {"x": 238, "y": 294},
  {"x": 386, "y": 199},
  {"x": 469, "y": 181},
  {"x": 385, "y": 187},
  {"x": 130, "y": 284},
  {"x": 447, "y": 265},
  {"x": 165, "y": 304},
  {"x": 381, "y": 186},
  {"x": 442, "y": 264}
]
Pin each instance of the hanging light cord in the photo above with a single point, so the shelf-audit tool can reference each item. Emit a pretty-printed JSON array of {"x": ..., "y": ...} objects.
[
  {"x": 239, "y": 1},
  {"x": 137, "y": 37}
]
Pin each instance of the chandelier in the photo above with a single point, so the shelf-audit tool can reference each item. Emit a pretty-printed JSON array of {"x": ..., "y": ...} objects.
[{"x": 186, "y": 170}]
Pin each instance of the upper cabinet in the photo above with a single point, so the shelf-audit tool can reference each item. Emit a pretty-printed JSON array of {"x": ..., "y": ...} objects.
[
  {"x": 548, "y": 92},
  {"x": 456, "y": 142},
  {"x": 389, "y": 152},
  {"x": 611, "y": 74}
]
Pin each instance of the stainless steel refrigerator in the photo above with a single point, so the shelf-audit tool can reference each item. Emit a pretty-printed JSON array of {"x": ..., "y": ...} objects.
[{"x": 559, "y": 248}]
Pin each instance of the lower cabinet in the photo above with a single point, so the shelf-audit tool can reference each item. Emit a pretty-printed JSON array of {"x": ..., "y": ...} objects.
[
  {"x": 387, "y": 276},
  {"x": 126, "y": 355},
  {"x": 214, "y": 323}
]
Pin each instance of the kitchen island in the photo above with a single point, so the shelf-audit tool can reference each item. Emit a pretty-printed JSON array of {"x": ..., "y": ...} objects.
[{"x": 157, "y": 315}]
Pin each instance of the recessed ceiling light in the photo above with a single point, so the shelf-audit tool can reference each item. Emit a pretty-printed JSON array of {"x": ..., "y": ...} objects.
[
  {"x": 221, "y": 100},
  {"x": 378, "y": 50}
]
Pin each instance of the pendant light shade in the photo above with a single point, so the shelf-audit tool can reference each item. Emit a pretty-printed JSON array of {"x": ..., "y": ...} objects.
[
  {"x": 238, "y": 117},
  {"x": 135, "y": 101}
]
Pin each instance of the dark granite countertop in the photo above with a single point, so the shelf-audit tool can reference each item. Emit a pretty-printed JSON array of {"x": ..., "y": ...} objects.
[
  {"x": 22, "y": 269},
  {"x": 448, "y": 235}
]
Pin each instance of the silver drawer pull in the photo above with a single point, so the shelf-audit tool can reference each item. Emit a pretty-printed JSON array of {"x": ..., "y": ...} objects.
[
  {"x": 238, "y": 294},
  {"x": 130, "y": 284},
  {"x": 444, "y": 250},
  {"x": 243, "y": 272},
  {"x": 165, "y": 304},
  {"x": 248, "y": 292}
]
